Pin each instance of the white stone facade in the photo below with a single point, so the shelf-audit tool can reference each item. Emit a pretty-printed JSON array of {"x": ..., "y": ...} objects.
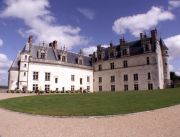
[{"x": 142, "y": 71}]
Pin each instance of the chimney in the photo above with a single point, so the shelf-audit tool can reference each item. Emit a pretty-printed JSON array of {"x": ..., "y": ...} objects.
[
  {"x": 154, "y": 35},
  {"x": 122, "y": 41},
  {"x": 55, "y": 44},
  {"x": 30, "y": 41},
  {"x": 98, "y": 47},
  {"x": 111, "y": 44},
  {"x": 141, "y": 36}
]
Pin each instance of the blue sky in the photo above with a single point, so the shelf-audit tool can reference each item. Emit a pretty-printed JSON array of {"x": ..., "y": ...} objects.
[{"x": 85, "y": 24}]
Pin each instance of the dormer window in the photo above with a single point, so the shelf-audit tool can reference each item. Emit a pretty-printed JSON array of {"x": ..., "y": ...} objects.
[
  {"x": 63, "y": 58},
  {"x": 42, "y": 55},
  {"x": 124, "y": 52},
  {"x": 99, "y": 57},
  {"x": 147, "y": 48},
  {"x": 111, "y": 54}
]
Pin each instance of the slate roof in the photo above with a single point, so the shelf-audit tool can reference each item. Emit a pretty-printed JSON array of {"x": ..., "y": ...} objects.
[
  {"x": 53, "y": 55},
  {"x": 135, "y": 48}
]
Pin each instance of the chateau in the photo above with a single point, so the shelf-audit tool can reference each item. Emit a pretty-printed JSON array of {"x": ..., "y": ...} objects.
[{"x": 136, "y": 65}]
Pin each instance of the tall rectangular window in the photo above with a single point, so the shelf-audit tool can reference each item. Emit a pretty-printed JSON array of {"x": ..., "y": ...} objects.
[
  {"x": 125, "y": 64},
  {"x": 100, "y": 88},
  {"x": 100, "y": 79},
  {"x": 125, "y": 87},
  {"x": 47, "y": 87},
  {"x": 113, "y": 88},
  {"x": 72, "y": 77},
  {"x": 72, "y": 87},
  {"x": 136, "y": 87},
  {"x": 56, "y": 80},
  {"x": 112, "y": 78},
  {"x": 149, "y": 76},
  {"x": 88, "y": 88},
  {"x": 99, "y": 67},
  {"x": 35, "y": 76},
  {"x": 81, "y": 81},
  {"x": 147, "y": 61},
  {"x": 88, "y": 78},
  {"x": 150, "y": 86},
  {"x": 112, "y": 65},
  {"x": 47, "y": 76},
  {"x": 125, "y": 77},
  {"x": 35, "y": 87},
  {"x": 135, "y": 77}
]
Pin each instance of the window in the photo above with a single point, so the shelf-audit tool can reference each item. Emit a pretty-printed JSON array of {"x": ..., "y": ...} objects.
[
  {"x": 149, "y": 76},
  {"x": 126, "y": 77},
  {"x": 25, "y": 65},
  {"x": 135, "y": 77},
  {"x": 99, "y": 57},
  {"x": 147, "y": 61},
  {"x": 100, "y": 88},
  {"x": 112, "y": 65},
  {"x": 56, "y": 80},
  {"x": 72, "y": 88},
  {"x": 35, "y": 75},
  {"x": 47, "y": 87},
  {"x": 80, "y": 62},
  {"x": 147, "y": 48},
  {"x": 24, "y": 73},
  {"x": 150, "y": 86},
  {"x": 57, "y": 89},
  {"x": 63, "y": 59},
  {"x": 42, "y": 55},
  {"x": 25, "y": 57},
  {"x": 112, "y": 87},
  {"x": 112, "y": 78},
  {"x": 124, "y": 52},
  {"x": 100, "y": 79},
  {"x": 125, "y": 87},
  {"x": 88, "y": 79},
  {"x": 88, "y": 88},
  {"x": 125, "y": 63},
  {"x": 72, "y": 78},
  {"x": 111, "y": 54},
  {"x": 100, "y": 67},
  {"x": 81, "y": 81},
  {"x": 136, "y": 87},
  {"x": 35, "y": 87},
  {"x": 47, "y": 76}
]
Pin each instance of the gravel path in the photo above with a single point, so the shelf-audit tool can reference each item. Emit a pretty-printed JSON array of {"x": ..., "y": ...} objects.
[{"x": 158, "y": 123}]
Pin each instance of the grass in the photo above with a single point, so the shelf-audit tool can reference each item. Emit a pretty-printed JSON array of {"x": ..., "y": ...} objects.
[{"x": 96, "y": 104}]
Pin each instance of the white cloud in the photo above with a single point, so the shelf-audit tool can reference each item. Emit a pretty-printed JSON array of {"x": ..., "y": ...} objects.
[
  {"x": 141, "y": 22},
  {"x": 91, "y": 49},
  {"x": 1, "y": 42},
  {"x": 87, "y": 13},
  {"x": 5, "y": 63},
  {"x": 174, "y": 4},
  {"x": 173, "y": 43},
  {"x": 37, "y": 16}
]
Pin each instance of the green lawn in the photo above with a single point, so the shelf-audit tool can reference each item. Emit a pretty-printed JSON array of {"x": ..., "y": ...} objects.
[{"x": 95, "y": 104}]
